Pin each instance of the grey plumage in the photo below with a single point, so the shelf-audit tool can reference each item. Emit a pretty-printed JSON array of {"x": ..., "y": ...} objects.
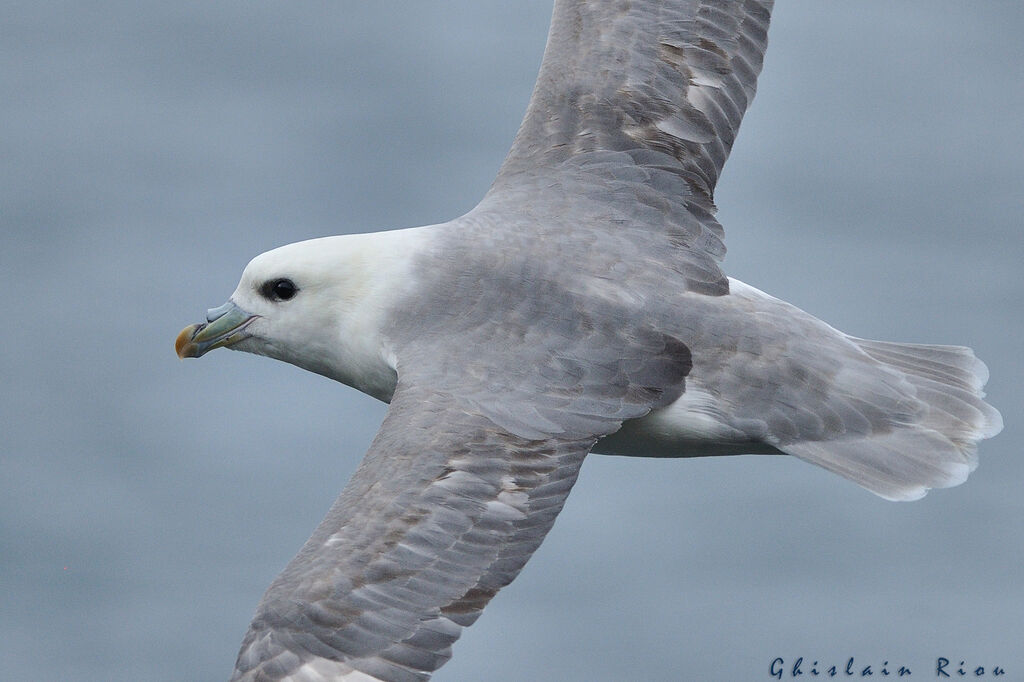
[
  {"x": 637, "y": 106},
  {"x": 444, "y": 510},
  {"x": 472, "y": 464},
  {"x": 582, "y": 296}
]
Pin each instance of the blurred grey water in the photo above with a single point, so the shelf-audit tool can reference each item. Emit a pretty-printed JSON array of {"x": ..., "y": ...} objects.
[{"x": 148, "y": 150}]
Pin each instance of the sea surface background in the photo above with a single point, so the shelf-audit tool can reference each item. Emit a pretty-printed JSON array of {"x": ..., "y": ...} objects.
[{"x": 149, "y": 149}]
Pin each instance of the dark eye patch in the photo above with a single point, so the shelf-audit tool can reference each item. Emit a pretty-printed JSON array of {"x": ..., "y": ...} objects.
[{"x": 282, "y": 289}]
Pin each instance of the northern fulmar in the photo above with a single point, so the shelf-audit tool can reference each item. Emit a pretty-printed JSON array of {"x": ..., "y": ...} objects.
[{"x": 579, "y": 307}]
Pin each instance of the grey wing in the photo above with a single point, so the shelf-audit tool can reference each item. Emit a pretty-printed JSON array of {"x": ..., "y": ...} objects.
[
  {"x": 637, "y": 105},
  {"x": 444, "y": 510},
  {"x": 458, "y": 489}
]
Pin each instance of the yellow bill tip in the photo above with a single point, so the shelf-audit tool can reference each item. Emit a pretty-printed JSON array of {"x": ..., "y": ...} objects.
[{"x": 183, "y": 345}]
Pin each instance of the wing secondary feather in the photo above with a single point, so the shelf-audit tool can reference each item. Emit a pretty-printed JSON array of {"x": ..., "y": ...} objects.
[
  {"x": 636, "y": 108},
  {"x": 444, "y": 510}
]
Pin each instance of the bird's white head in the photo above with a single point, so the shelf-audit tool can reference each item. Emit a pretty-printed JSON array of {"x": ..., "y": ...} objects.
[{"x": 320, "y": 304}]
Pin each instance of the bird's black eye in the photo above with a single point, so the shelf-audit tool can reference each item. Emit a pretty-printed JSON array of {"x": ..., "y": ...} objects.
[{"x": 279, "y": 289}]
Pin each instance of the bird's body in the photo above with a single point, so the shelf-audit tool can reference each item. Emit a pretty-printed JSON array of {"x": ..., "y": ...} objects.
[
  {"x": 747, "y": 348},
  {"x": 579, "y": 307}
]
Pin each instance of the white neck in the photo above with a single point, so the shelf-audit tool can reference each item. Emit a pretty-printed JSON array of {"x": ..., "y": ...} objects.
[{"x": 385, "y": 261}]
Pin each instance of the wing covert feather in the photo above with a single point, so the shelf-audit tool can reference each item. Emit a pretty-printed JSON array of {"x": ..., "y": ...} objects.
[
  {"x": 444, "y": 510},
  {"x": 634, "y": 113},
  {"x": 636, "y": 107},
  {"x": 481, "y": 445},
  {"x": 670, "y": 76}
]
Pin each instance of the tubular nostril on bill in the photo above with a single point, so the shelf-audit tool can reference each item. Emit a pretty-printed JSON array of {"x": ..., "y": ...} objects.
[{"x": 214, "y": 313}]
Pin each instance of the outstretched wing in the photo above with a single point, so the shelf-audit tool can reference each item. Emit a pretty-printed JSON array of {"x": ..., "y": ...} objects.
[
  {"x": 458, "y": 489},
  {"x": 444, "y": 510},
  {"x": 502, "y": 393},
  {"x": 637, "y": 106}
]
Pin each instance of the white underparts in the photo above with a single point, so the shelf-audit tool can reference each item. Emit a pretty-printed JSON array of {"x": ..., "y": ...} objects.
[{"x": 686, "y": 428}]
